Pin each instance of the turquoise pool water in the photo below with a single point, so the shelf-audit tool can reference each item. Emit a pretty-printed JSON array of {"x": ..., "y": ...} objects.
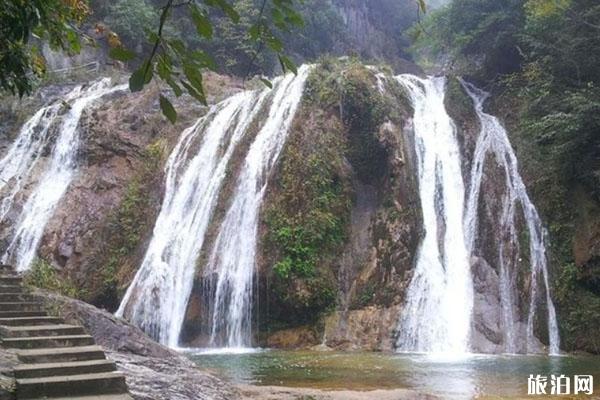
[{"x": 476, "y": 376}]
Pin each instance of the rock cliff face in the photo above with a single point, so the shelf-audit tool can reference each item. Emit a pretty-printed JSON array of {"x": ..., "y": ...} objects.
[
  {"x": 571, "y": 213},
  {"x": 340, "y": 225},
  {"x": 370, "y": 33}
]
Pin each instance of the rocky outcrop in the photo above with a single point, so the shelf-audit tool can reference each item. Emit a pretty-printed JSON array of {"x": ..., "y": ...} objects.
[
  {"x": 371, "y": 328},
  {"x": 153, "y": 372}
]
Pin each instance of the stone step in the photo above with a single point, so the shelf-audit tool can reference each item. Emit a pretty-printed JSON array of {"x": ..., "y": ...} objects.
[
  {"x": 41, "y": 330},
  {"x": 11, "y": 289},
  {"x": 71, "y": 385},
  {"x": 10, "y": 280},
  {"x": 64, "y": 354},
  {"x": 30, "y": 321},
  {"x": 44, "y": 342},
  {"x": 22, "y": 306},
  {"x": 23, "y": 371},
  {"x": 17, "y": 314},
  {"x": 16, "y": 297}
]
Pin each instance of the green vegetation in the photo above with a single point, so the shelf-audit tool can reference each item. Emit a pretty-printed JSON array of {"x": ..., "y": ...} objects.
[
  {"x": 176, "y": 62},
  {"x": 308, "y": 212},
  {"x": 131, "y": 18},
  {"x": 42, "y": 275}
]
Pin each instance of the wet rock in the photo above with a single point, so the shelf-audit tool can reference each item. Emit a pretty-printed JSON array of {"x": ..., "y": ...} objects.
[
  {"x": 152, "y": 378},
  {"x": 371, "y": 328},
  {"x": 487, "y": 336}
]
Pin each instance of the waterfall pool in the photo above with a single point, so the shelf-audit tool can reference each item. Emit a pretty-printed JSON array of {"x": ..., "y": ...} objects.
[{"x": 473, "y": 376}]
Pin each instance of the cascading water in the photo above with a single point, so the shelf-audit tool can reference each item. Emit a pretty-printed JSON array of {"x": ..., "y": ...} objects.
[
  {"x": 232, "y": 261},
  {"x": 493, "y": 139},
  {"x": 158, "y": 296},
  {"x": 437, "y": 313},
  {"x": 22, "y": 156}
]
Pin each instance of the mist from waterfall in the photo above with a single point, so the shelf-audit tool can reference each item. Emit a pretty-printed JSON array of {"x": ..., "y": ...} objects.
[
  {"x": 493, "y": 140},
  {"x": 23, "y": 155},
  {"x": 437, "y": 315},
  {"x": 157, "y": 298}
]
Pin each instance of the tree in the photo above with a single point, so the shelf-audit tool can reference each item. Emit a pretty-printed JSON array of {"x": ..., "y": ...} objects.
[
  {"x": 53, "y": 21},
  {"x": 168, "y": 59},
  {"x": 130, "y": 18},
  {"x": 254, "y": 25},
  {"x": 480, "y": 33}
]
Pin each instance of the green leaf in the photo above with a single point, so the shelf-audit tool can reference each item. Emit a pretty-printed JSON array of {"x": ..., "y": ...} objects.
[
  {"x": 167, "y": 109},
  {"x": 136, "y": 80},
  {"x": 202, "y": 23},
  {"x": 163, "y": 67},
  {"x": 274, "y": 44},
  {"x": 176, "y": 88},
  {"x": 193, "y": 92},
  {"x": 422, "y": 6},
  {"x": 254, "y": 31},
  {"x": 267, "y": 83},
  {"x": 204, "y": 59},
  {"x": 121, "y": 54},
  {"x": 287, "y": 64}
]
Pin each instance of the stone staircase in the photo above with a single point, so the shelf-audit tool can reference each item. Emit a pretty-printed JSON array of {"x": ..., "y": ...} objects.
[{"x": 58, "y": 360}]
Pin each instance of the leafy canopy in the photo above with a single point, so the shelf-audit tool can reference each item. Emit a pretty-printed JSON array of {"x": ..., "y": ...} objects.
[
  {"x": 52, "y": 21},
  {"x": 169, "y": 59}
]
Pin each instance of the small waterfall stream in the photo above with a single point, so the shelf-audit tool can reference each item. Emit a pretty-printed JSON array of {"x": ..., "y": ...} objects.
[
  {"x": 493, "y": 139},
  {"x": 24, "y": 153},
  {"x": 233, "y": 256},
  {"x": 439, "y": 302},
  {"x": 437, "y": 314},
  {"x": 59, "y": 173},
  {"x": 157, "y": 298}
]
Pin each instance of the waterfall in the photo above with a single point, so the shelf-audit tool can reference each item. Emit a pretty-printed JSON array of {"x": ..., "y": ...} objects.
[
  {"x": 61, "y": 169},
  {"x": 437, "y": 313},
  {"x": 493, "y": 139},
  {"x": 158, "y": 296},
  {"x": 23, "y": 155},
  {"x": 232, "y": 259}
]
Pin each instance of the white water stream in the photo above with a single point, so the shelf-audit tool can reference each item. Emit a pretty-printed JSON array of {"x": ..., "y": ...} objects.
[
  {"x": 158, "y": 297},
  {"x": 493, "y": 140},
  {"x": 61, "y": 169},
  {"x": 233, "y": 257}
]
